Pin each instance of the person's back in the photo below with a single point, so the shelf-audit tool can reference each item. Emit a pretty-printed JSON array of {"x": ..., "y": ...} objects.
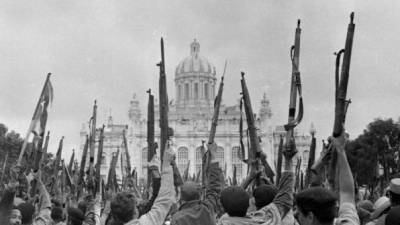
[{"x": 193, "y": 211}]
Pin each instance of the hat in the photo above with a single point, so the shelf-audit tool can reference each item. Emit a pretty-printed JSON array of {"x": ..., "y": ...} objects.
[
  {"x": 395, "y": 186},
  {"x": 393, "y": 217},
  {"x": 380, "y": 205}
]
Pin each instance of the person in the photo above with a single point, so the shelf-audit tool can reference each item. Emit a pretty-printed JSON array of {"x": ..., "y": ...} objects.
[
  {"x": 381, "y": 209},
  {"x": 235, "y": 200},
  {"x": 192, "y": 210},
  {"x": 393, "y": 217},
  {"x": 394, "y": 192},
  {"x": 317, "y": 205},
  {"x": 57, "y": 215},
  {"x": 15, "y": 217},
  {"x": 27, "y": 210},
  {"x": 123, "y": 206},
  {"x": 75, "y": 216}
]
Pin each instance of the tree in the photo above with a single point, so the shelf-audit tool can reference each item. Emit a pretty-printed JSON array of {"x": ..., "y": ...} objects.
[
  {"x": 10, "y": 142},
  {"x": 371, "y": 149}
]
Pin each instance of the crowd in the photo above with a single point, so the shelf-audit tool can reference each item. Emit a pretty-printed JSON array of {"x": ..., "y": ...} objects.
[{"x": 255, "y": 201}]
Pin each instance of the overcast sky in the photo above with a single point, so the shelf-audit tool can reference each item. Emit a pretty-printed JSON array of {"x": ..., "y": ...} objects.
[{"x": 107, "y": 50}]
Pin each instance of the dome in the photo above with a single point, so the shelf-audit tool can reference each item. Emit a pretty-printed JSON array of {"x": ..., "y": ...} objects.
[{"x": 195, "y": 63}]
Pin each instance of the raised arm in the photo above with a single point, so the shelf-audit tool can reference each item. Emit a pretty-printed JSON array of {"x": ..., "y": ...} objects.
[
  {"x": 284, "y": 198},
  {"x": 165, "y": 196},
  {"x": 213, "y": 188},
  {"x": 43, "y": 217},
  {"x": 346, "y": 181}
]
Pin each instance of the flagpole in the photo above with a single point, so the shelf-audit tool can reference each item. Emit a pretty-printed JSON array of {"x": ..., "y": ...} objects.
[{"x": 22, "y": 152}]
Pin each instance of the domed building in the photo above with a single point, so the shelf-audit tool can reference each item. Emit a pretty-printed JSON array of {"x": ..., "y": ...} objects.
[{"x": 190, "y": 115}]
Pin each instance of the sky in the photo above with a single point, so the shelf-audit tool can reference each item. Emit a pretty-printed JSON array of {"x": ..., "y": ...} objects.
[{"x": 108, "y": 50}]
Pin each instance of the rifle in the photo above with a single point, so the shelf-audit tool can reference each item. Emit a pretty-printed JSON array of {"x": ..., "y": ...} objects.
[
  {"x": 82, "y": 166},
  {"x": 99, "y": 159},
  {"x": 4, "y": 167},
  {"x": 46, "y": 145},
  {"x": 290, "y": 145},
  {"x": 128, "y": 157},
  {"x": 341, "y": 104},
  {"x": 57, "y": 164},
  {"x": 150, "y": 136},
  {"x": 214, "y": 124},
  {"x": 71, "y": 161},
  {"x": 165, "y": 131},
  {"x": 255, "y": 152},
  {"x": 92, "y": 144},
  {"x": 311, "y": 159},
  {"x": 279, "y": 164},
  {"x": 111, "y": 171}
]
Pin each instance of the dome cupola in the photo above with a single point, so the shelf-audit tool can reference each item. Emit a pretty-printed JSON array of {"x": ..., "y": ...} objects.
[{"x": 195, "y": 80}]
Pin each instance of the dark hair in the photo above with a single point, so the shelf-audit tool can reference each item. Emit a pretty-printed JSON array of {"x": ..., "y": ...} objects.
[
  {"x": 75, "y": 215},
  {"x": 235, "y": 201},
  {"x": 264, "y": 194},
  {"x": 394, "y": 198},
  {"x": 82, "y": 206},
  {"x": 57, "y": 214},
  {"x": 320, "y": 201},
  {"x": 27, "y": 210},
  {"x": 123, "y": 207},
  {"x": 190, "y": 191}
]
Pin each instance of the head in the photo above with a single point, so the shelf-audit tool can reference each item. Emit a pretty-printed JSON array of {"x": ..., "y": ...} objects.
[
  {"x": 123, "y": 207},
  {"x": 264, "y": 194},
  {"x": 75, "y": 216},
  {"x": 315, "y": 205},
  {"x": 27, "y": 210},
  {"x": 15, "y": 217},
  {"x": 190, "y": 191},
  {"x": 57, "y": 214},
  {"x": 82, "y": 206},
  {"x": 235, "y": 201},
  {"x": 394, "y": 191}
]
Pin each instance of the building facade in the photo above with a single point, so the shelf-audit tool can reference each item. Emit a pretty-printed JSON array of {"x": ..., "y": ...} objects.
[{"x": 190, "y": 115}]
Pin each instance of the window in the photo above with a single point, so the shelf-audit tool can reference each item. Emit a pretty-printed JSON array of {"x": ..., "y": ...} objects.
[
  {"x": 220, "y": 156},
  {"x": 237, "y": 163},
  {"x": 183, "y": 157},
  {"x": 206, "y": 91},
  {"x": 196, "y": 90},
  {"x": 186, "y": 91},
  {"x": 199, "y": 159},
  {"x": 179, "y": 91}
]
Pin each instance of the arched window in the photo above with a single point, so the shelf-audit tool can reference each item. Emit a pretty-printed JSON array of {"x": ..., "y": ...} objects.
[
  {"x": 237, "y": 162},
  {"x": 179, "y": 92},
  {"x": 186, "y": 91},
  {"x": 206, "y": 96},
  {"x": 144, "y": 159},
  {"x": 220, "y": 156},
  {"x": 199, "y": 159},
  {"x": 196, "y": 90},
  {"x": 183, "y": 157}
]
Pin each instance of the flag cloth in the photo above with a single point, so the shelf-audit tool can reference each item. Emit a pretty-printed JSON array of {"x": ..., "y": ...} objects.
[{"x": 39, "y": 119}]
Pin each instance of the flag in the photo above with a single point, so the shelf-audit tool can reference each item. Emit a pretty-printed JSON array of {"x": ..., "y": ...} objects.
[{"x": 39, "y": 119}]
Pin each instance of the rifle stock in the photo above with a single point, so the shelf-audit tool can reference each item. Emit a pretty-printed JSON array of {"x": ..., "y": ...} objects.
[
  {"x": 255, "y": 149},
  {"x": 295, "y": 88},
  {"x": 99, "y": 158},
  {"x": 165, "y": 131},
  {"x": 341, "y": 104}
]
